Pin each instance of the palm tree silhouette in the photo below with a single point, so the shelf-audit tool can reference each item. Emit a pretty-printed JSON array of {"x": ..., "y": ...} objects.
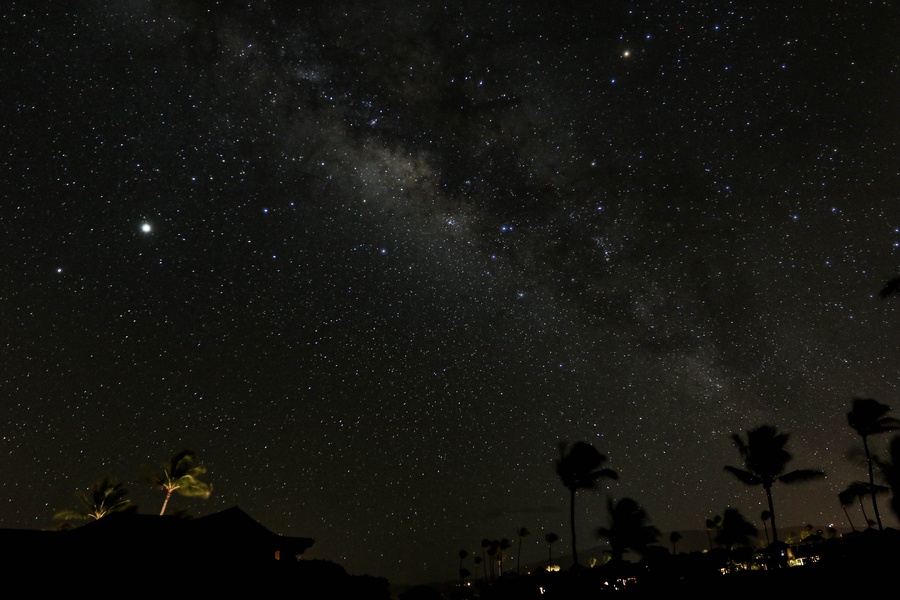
[
  {"x": 628, "y": 529},
  {"x": 493, "y": 549},
  {"x": 580, "y": 467},
  {"x": 869, "y": 417},
  {"x": 182, "y": 476},
  {"x": 502, "y": 547},
  {"x": 107, "y": 495},
  {"x": 674, "y": 538},
  {"x": 523, "y": 532},
  {"x": 765, "y": 458},
  {"x": 857, "y": 491},
  {"x": 765, "y": 516},
  {"x": 463, "y": 573},
  {"x": 551, "y": 539},
  {"x": 485, "y": 546},
  {"x": 713, "y": 524}
]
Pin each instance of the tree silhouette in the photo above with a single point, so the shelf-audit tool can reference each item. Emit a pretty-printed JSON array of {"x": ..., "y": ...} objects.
[
  {"x": 107, "y": 495},
  {"x": 736, "y": 533},
  {"x": 580, "y": 467},
  {"x": 181, "y": 476},
  {"x": 765, "y": 458},
  {"x": 522, "y": 532},
  {"x": 674, "y": 538},
  {"x": 551, "y": 539},
  {"x": 463, "y": 573},
  {"x": 713, "y": 524},
  {"x": 736, "y": 530},
  {"x": 765, "y": 516},
  {"x": 493, "y": 549},
  {"x": 869, "y": 417},
  {"x": 628, "y": 529},
  {"x": 502, "y": 547},
  {"x": 485, "y": 546},
  {"x": 477, "y": 561},
  {"x": 857, "y": 491},
  {"x": 890, "y": 473},
  {"x": 891, "y": 287}
]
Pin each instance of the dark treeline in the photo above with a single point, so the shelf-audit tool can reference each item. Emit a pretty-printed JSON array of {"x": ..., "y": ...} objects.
[{"x": 736, "y": 558}]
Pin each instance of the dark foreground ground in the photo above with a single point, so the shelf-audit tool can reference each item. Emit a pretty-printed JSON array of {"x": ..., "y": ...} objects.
[{"x": 859, "y": 565}]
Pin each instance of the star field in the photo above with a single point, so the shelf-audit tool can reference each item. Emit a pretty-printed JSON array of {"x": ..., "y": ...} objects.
[{"x": 373, "y": 261}]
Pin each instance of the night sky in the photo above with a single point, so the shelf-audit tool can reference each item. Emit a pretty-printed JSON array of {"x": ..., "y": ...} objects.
[{"x": 373, "y": 261}]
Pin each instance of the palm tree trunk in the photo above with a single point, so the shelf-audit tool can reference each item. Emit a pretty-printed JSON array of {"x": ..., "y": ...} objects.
[
  {"x": 165, "y": 502},
  {"x": 872, "y": 485},
  {"x": 519, "y": 557},
  {"x": 772, "y": 513},
  {"x": 862, "y": 507},
  {"x": 572, "y": 525},
  {"x": 849, "y": 520}
]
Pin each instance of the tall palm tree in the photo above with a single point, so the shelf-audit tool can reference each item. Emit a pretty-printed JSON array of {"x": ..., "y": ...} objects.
[
  {"x": 485, "y": 546},
  {"x": 551, "y": 538},
  {"x": 713, "y": 524},
  {"x": 674, "y": 538},
  {"x": 180, "y": 475},
  {"x": 523, "y": 532},
  {"x": 463, "y": 573},
  {"x": 502, "y": 547},
  {"x": 628, "y": 529},
  {"x": 107, "y": 495},
  {"x": 765, "y": 457},
  {"x": 493, "y": 549},
  {"x": 869, "y": 417},
  {"x": 580, "y": 467}
]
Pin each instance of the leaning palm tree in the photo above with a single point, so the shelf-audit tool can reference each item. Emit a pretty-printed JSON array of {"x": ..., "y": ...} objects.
[
  {"x": 765, "y": 458},
  {"x": 857, "y": 491},
  {"x": 628, "y": 529},
  {"x": 869, "y": 417},
  {"x": 581, "y": 468},
  {"x": 107, "y": 495},
  {"x": 180, "y": 475}
]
